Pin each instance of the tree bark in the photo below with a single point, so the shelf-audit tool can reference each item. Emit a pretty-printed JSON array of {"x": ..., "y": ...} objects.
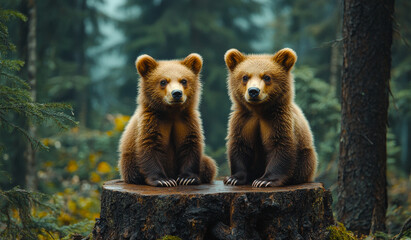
[
  {"x": 362, "y": 194},
  {"x": 82, "y": 99},
  {"x": 213, "y": 211},
  {"x": 31, "y": 178}
]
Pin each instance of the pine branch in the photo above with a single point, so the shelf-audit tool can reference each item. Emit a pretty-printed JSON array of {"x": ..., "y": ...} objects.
[
  {"x": 26, "y": 226},
  {"x": 14, "y": 79},
  {"x": 12, "y": 65},
  {"x": 36, "y": 144},
  {"x": 7, "y": 14}
]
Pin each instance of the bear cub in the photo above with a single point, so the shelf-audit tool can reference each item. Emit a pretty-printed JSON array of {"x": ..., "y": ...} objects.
[
  {"x": 162, "y": 144},
  {"x": 269, "y": 140}
]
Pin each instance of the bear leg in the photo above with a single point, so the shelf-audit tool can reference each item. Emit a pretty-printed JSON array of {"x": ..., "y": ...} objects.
[
  {"x": 306, "y": 167},
  {"x": 129, "y": 170}
]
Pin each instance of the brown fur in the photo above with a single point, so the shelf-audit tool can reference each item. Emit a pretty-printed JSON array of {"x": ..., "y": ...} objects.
[
  {"x": 162, "y": 144},
  {"x": 269, "y": 140}
]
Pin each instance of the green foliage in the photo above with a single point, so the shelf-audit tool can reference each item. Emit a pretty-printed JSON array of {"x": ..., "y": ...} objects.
[
  {"x": 84, "y": 158},
  {"x": 31, "y": 215},
  {"x": 24, "y": 214},
  {"x": 311, "y": 29},
  {"x": 405, "y": 232},
  {"x": 5, "y": 44},
  {"x": 399, "y": 114},
  {"x": 65, "y": 39},
  {"x": 399, "y": 205},
  {"x": 15, "y": 96},
  {"x": 322, "y": 109}
]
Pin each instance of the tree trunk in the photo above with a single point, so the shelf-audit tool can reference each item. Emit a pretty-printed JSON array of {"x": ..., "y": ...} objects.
[
  {"x": 213, "y": 211},
  {"x": 82, "y": 99},
  {"x": 31, "y": 181},
  {"x": 362, "y": 194}
]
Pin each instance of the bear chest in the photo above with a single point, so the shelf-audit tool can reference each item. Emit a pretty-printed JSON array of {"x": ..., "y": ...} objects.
[
  {"x": 172, "y": 134},
  {"x": 257, "y": 131}
]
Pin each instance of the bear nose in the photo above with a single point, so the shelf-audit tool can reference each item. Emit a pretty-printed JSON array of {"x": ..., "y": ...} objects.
[
  {"x": 253, "y": 92},
  {"x": 177, "y": 94}
]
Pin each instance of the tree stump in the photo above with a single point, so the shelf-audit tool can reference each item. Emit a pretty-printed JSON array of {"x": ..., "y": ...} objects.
[{"x": 213, "y": 211}]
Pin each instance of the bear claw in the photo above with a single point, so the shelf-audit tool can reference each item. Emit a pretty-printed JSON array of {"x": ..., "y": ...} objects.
[
  {"x": 230, "y": 181},
  {"x": 185, "y": 181},
  {"x": 262, "y": 183},
  {"x": 167, "y": 183}
]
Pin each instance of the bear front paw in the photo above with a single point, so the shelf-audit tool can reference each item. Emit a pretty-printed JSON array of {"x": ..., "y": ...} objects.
[
  {"x": 234, "y": 181},
  {"x": 164, "y": 182},
  {"x": 267, "y": 183},
  {"x": 188, "y": 181}
]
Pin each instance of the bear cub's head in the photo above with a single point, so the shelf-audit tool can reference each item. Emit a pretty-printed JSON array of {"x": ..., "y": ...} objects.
[
  {"x": 173, "y": 83},
  {"x": 260, "y": 79}
]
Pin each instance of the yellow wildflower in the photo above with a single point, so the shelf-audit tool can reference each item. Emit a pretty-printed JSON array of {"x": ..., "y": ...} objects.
[
  {"x": 75, "y": 129},
  {"x": 103, "y": 167},
  {"x": 65, "y": 219},
  {"x": 94, "y": 177},
  {"x": 46, "y": 141},
  {"x": 71, "y": 205},
  {"x": 120, "y": 122},
  {"x": 15, "y": 213},
  {"x": 72, "y": 166}
]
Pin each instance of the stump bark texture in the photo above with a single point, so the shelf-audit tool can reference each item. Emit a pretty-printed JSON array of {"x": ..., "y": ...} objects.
[{"x": 213, "y": 211}]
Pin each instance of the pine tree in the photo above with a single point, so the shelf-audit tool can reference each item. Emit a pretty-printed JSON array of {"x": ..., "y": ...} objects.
[
  {"x": 62, "y": 70},
  {"x": 313, "y": 30},
  {"x": 19, "y": 221},
  {"x": 400, "y": 110},
  {"x": 64, "y": 36},
  {"x": 17, "y": 206},
  {"x": 15, "y": 96}
]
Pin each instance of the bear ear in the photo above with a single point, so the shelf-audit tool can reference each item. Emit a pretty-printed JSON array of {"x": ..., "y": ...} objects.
[
  {"x": 232, "y": 58},
  {"x": 145, "y": 64},
  {"x": 194, "y": 62},
  {"x": 286, "y": 57}
]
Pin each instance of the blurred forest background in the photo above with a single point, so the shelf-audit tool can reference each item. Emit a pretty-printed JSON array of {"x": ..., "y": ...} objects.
[{"x": 85, "y": 57}]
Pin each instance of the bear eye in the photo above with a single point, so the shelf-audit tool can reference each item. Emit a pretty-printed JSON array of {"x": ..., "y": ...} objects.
[
  {"x": 184, "y": 82},
  {"x": 245, "y": 78},
  {"x": 266, "y": 78},
  {"x": 163, "y": 82}
]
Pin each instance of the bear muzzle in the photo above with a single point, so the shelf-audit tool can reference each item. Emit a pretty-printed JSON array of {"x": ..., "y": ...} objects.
[
  {"x": 175, "y": 97},
  {"x": 177, "y": 94},
  {"x": 255, "y": 95},
  {"x": 253, "y": 92}
]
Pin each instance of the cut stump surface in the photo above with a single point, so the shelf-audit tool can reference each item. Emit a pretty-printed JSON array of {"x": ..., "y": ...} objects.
[{"x": 213, "y": 211}]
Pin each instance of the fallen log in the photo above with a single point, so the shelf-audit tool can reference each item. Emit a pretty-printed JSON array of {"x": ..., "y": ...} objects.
[{"x": 213, "y": 211}]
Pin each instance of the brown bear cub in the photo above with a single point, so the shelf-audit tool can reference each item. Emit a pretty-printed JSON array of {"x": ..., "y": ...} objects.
[
  {"x": 162, "y": 144},
  {"x": 269, "y": 140}
]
